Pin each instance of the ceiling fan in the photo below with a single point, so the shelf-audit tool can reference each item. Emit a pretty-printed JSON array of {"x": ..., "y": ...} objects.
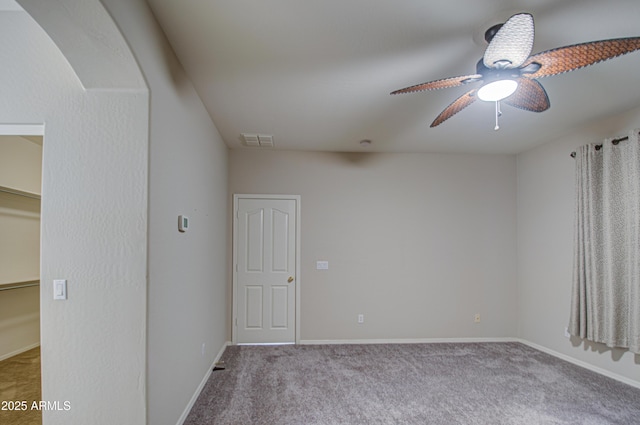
[{"x": 508, "y": 72}]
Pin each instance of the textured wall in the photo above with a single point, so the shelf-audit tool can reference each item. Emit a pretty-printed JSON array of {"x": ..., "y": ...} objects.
[{"x": 187, "y": 175}]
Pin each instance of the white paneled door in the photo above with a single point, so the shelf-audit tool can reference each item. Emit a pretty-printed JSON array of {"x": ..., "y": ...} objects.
[{"x": 265, "y": 278}]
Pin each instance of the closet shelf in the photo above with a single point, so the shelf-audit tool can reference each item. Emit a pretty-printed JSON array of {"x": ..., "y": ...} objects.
[
  {"x": 19, "y": 192},
  {"x": 18, "y": 285}
]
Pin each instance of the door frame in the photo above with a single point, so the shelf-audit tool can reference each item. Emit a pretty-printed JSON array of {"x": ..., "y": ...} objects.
[{"x": 234, "y": 265}]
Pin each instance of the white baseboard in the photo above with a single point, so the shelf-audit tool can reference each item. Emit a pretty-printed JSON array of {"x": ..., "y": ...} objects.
[
  {"x": 19, "y": 351},
  {"x": 580, "y": 363},
  {"x": 195, "y": 396},
  {"x": 403, "y": 340}
]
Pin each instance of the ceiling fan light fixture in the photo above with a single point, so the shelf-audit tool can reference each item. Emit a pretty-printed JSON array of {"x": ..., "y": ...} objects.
[
  {"x": 497, "y": 90},
  {"x": 508, "y": 68}
]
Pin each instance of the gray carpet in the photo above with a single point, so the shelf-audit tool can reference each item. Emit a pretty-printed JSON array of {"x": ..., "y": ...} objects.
[{"x": 474, "y": 383}]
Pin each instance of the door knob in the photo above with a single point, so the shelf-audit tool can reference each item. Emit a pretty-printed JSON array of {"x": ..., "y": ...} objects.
[{"x": 290, "y": 279}]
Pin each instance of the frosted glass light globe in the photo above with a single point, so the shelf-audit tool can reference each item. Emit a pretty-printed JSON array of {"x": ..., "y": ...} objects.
[{"x": 497, "y": 90}]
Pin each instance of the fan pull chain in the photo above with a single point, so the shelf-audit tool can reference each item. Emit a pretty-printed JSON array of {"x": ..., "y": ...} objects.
[{"x": 498, "y": 114}]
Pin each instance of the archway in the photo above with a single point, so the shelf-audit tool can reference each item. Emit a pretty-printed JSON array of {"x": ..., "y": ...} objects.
[{"x": 89, "y": 94}]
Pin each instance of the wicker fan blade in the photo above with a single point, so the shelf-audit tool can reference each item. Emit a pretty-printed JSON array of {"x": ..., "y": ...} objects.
[
  {"x": 512, "y": 44},
  {"x": 458, "y": 105},
  {"x": 529, "y": 96},
  {"x": 569, "y": 58},
  {"x": 441, "y": 84}
]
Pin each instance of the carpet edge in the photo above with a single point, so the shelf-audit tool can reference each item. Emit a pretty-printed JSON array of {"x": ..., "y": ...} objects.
[
  {"x": 582, "y": 364},
  {"x": 404, "y": 341}
]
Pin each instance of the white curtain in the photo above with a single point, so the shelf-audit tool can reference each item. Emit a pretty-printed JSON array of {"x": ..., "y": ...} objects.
[{"x": 605, "y": 304}]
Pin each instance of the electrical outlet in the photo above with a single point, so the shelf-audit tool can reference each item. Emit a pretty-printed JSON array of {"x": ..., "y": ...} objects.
[
  {"x": 476, "y": 318},
  {"x": 360, "y": 318}
]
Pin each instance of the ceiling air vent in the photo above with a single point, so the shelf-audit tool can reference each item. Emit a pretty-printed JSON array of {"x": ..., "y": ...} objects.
[
  {"x": 257, "y": 140},
  {"x": 265, "y": 141}
]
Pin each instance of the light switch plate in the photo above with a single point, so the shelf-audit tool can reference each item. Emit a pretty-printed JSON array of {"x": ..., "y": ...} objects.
[
  {"x": 322, "y": 265},
  {"x": 59, "y": 289}
]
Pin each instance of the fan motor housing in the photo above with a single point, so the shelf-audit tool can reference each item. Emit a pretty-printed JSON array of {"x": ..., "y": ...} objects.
[{"x": 494, "y": 74}]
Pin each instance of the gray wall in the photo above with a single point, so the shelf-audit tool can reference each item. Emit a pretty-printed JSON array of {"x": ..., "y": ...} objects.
[{"x": 418, "y": 243}]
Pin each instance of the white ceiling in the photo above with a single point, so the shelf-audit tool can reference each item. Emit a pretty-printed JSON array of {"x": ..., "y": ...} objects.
[{"x": 317, "y": 74}]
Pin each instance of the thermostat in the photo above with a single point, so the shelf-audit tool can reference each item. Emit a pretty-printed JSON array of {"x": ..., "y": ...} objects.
[{"x": 183, "y": 223}]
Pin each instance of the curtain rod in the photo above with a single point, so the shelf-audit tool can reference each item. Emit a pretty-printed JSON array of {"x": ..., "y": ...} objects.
[{"x": 598, "y": 147}]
